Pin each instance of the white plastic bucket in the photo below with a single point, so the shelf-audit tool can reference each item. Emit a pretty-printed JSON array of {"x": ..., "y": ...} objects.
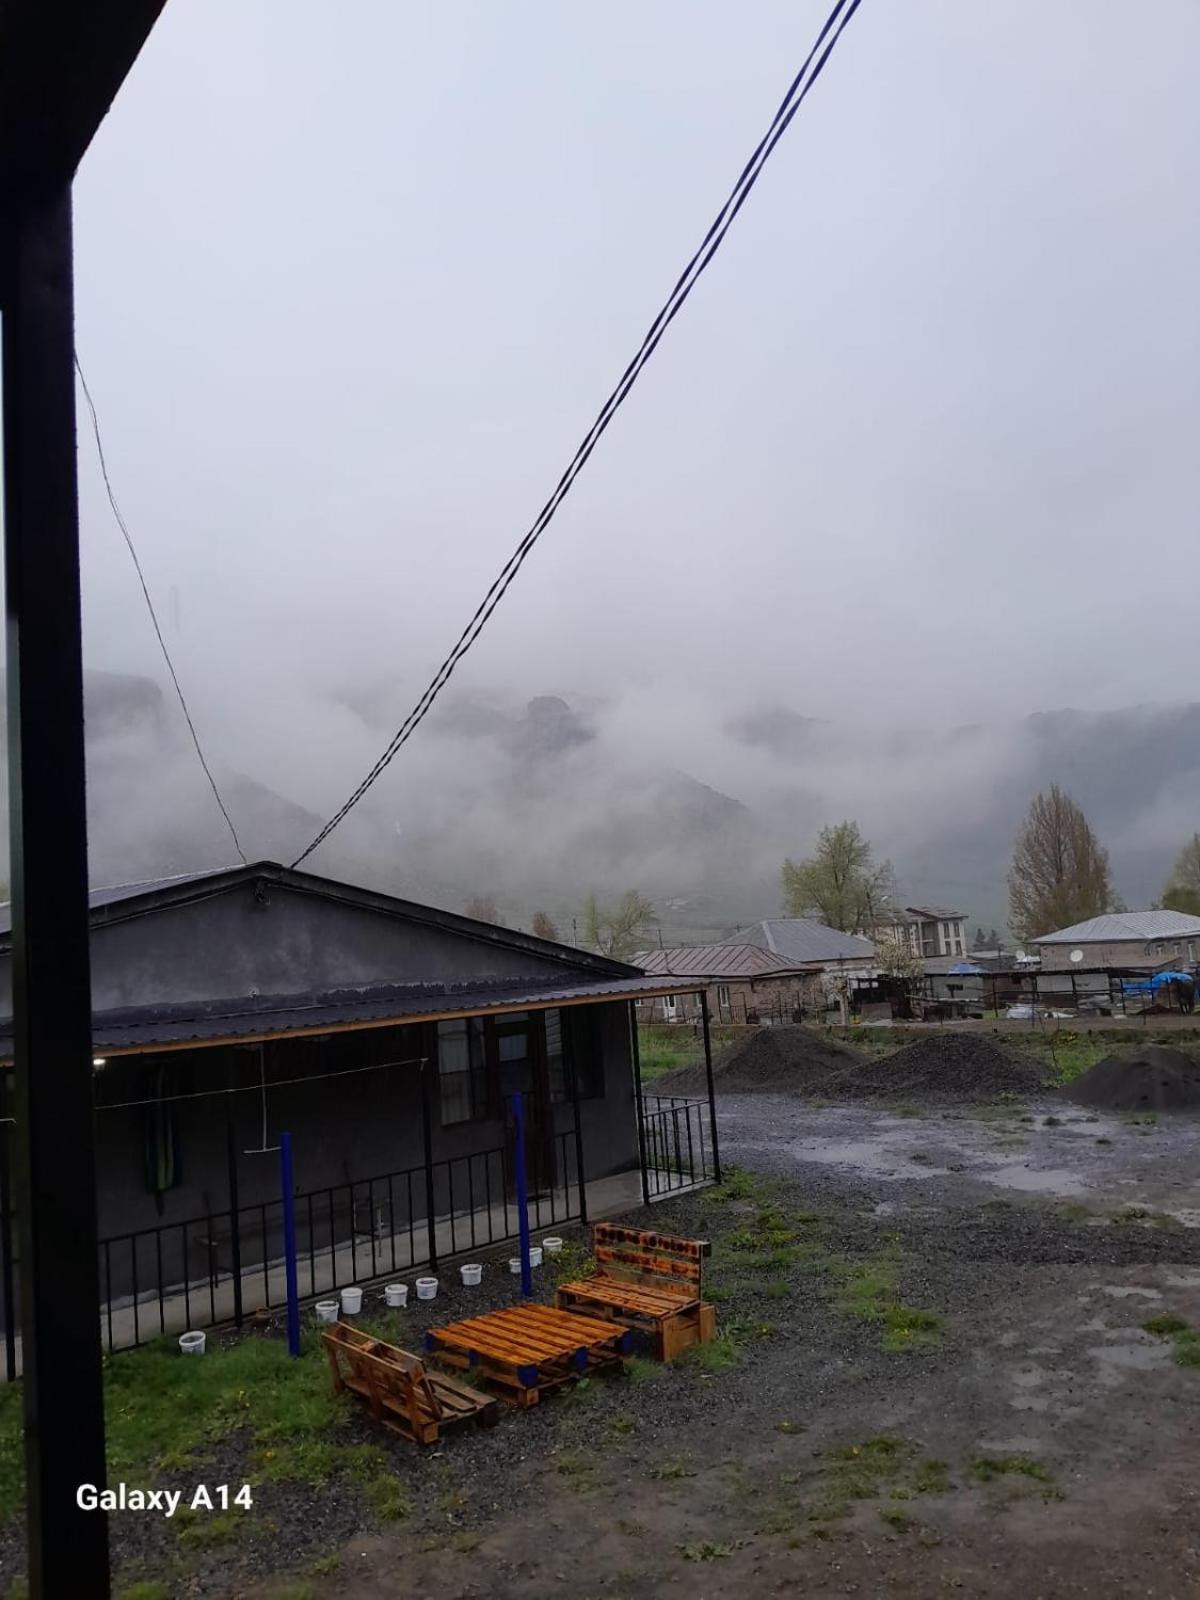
[
  {"x": 426, "y": 1288},
  {"x": 396, "y": 1294},
  {"x": 351, "y": 1302},
  {"x": 326, "y": 1310},
  {"x": 472, "y": 1272},
  {"x": 535, "y": 1255},
  {"x": 192, "y": 1344},
  {"x": 552, "y": 1245},
  {"x": 514, "y": 1265}
]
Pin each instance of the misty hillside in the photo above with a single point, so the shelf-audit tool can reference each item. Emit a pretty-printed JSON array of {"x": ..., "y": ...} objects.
[{"x": 538, "y": 804}]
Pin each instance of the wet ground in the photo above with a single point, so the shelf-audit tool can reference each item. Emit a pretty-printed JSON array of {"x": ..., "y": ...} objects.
[{"x": 934, "y": 1374}]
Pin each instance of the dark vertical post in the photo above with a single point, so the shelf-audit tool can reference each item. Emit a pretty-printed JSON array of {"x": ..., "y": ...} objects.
[
  {"x": 6, "y": 1254},
  {"x": 573, "y": 1068},
  {"x": 635, "y": 1051},
  {"x": 235, "y": 1229},
  {"x": 55, "y": 1149},
  {"x": 712, "y": 1093},
  {"x": 427, "y": 1135},
  {"x": 518, "y": 1111},
  {"x": 287, "y": 1189}
]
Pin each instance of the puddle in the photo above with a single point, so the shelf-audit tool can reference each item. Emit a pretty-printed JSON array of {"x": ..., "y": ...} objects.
[
  {"x": 1121, "y": 1291},
  {"x": 1183, "y": 1280},
  {"x": 1130, "y": 1352},
  {"x": 1034, "y": 1180},
  {"x": 1187, "y": 1215},
  {"x": 1021, "y": 1444},
  {"x": 874, "y": 1156}
]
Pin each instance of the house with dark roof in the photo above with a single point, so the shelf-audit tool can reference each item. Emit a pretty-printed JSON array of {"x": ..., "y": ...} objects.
[
  {"x": 387, "y": 1038},
  {"x": 773, "y": 971}
]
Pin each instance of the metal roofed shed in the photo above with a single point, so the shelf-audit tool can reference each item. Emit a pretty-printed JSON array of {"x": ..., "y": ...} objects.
[{"x": 803, "y": 942}]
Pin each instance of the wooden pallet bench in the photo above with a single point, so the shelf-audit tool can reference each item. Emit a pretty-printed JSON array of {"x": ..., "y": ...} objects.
[
  {"x": 648, "y": 1281},
  {"x": 528, "y": 1349},
  {"x": 398, "y": 1390}
]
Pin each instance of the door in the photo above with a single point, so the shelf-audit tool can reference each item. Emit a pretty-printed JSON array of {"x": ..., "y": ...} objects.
[{"x": 517, "y": 1047}]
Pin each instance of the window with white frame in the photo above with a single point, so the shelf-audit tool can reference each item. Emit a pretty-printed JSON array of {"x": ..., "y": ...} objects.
[{"x": 668, "y": 1003}]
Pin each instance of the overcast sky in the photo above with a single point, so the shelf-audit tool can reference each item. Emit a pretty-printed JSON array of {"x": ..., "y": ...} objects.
[{"x": 352, "y": 281}]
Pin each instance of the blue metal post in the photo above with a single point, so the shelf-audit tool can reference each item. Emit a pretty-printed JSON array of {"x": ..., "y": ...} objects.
[
  {"x": 522, "y": 1195},
  {"x": 289, "y": 1242}
]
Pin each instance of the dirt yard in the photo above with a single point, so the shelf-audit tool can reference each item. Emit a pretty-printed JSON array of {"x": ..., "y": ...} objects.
[{"x": 935, "y": 1374}]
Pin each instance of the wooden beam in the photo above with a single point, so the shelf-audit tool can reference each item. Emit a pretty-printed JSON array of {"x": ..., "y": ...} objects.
[{"x": 61, "y": 64}]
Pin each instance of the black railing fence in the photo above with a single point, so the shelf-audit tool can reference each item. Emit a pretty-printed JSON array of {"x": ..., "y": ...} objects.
[
  {"x": 677, "y": 1143},
  {"x": 223, "y": 1265}
]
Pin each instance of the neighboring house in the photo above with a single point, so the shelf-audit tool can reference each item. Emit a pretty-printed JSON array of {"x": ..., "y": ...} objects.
[
  {"x": 807, "y": 943},
  {"x": 386, "y": 1037},
  {"x": 743, "y": 982},
  {"x": 1139, "y": 940},
  {"x": 928, "y": 931}
]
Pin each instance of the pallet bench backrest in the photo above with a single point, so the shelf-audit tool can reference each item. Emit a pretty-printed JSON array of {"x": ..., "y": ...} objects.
[
  {"x": 655, "y": 1260},
  {"x": 384, "y": 1367}
]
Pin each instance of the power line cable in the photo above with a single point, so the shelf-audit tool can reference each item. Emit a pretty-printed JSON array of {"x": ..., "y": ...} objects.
[
  {"x": 162, "y": 643},
  {"x": 810, "y": 71}
]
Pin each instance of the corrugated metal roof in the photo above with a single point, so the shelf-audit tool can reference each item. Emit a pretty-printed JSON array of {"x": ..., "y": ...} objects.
[
  {"x": 1117, "y": 927},
  {"x": 378, "y": 1005},
  {"x": 711, "y": 960},
  {"x": 113, "y": 893},
  {"x": 801, "y": 942}
]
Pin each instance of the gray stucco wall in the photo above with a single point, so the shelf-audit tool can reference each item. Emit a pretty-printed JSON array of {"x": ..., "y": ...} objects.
[
  {"x": 235, "y": 944},
  {"x": 345, "y": 1130}
]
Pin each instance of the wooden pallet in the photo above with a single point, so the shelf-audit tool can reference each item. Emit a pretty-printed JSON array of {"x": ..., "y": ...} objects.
[
  {"x": 648, "y": 1281},
  {"x": 398, "y": 1390},
  {"x": 527, "y": 1350}
]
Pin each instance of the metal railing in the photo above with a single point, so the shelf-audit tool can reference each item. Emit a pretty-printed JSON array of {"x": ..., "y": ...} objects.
[
  {"x": 676, "y": 1140},
  {"x": 216, "y": 1267}
]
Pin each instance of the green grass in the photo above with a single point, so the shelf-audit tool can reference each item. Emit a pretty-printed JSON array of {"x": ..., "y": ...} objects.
[
  {"x": 880, "y": 1467},
  {"x": 151, "y": 1590},
  {"x": 989, "y": 1468},
  {"x": 867, "y": 1291},
  {"x": 1182, "y": 1335},
  {"x": 664, "y": 1047},
  {"x": 165, "y": 1411}
]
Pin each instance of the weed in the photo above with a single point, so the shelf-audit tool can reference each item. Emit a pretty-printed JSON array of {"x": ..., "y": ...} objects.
[
  {"x": 630, "y": 1528},
  {"x": 779, "y": 1290},
  {"x": 671, "y": 1470},
  {"x": 932, "y": 1477},
  {"x": 988, "y": 1468},
  {"x": 715, "y": 1357},
  {"x": 623, "y": 1424},
  {"x": 1187, "y": 1349},
  {"x": 789, "y": 1427},
  {"x": 1073, "y": 1212},
  {"x": 1165, "y": 1327},
  {"x": 869, "y": 1294},
  {"x": 465, "y": 1541},
  {"x": 199, "y": 1532},
  {"x": 639, "y": 1370},
  {"x": 707, "y": 1550},
  {"x": 326, "y": 1565},
  {"x": 895, "y": 1518},
  {"x": 148, "y": 1590}
]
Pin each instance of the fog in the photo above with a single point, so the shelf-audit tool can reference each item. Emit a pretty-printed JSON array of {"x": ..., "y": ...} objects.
[{"x": 918, "y": 456}]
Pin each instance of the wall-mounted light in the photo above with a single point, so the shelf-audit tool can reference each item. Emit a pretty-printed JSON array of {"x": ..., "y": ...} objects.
[{"x": 99, "y": 1061}]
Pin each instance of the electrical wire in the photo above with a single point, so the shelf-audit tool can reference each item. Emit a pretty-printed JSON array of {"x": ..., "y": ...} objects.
[
  {"x": 162, "y": 643},
  {"x": 249, "y": 1088},
  {"x": 810, "y": 71}
]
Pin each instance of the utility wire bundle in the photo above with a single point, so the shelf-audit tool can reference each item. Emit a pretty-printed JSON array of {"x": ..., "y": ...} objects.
[{"x": 809, "y": 73}]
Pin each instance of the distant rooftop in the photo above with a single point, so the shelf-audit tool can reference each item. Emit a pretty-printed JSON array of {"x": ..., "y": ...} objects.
[
  {"x": 799, "y": 941},
  {"x": 711, "y": 961},
  {"x": 1120, "y": 927}
]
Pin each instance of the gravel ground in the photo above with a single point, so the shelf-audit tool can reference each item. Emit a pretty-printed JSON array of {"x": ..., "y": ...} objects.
[{"x": 800, "y": 1452}]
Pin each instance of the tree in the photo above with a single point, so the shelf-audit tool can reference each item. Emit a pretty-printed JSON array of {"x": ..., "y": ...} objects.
[
  {"x": 1059, "y": 872},
  {"x": 483, "y": 908},
  {"x": 841, "y": 884},
  {"x": 543, "y": 926},
  {"x": 1182, "y": 892},
  {"x": 897, "y": 958},
  {"x": 618, "y": 931}
]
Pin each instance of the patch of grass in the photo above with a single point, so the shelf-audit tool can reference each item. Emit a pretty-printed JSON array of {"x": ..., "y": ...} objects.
[
  {"x": 671, "y": 1470},
  {"x": 707, "y": 1550},
  {"x": 324, "y": 1566},
  {"x": 908, "y": 1111},
  {"x": 1182, "y": 1335},
  {"x": 579, "y": 1471},
  {"x": 789, "y": 1427},
  {"x": 1164, "y": 1327},
  {"x": 715, "y": 1357},
  {"x": 895, "y": 1518},
  {"x": 631, "y": 1528},
  {"x": 147, "y": 1590},
  {"x": 989, "y": 1468},
  {"x": 883, "y": 1466},
  {"x": 665, "y": 1047},
  {"x": 736, "y": 1184},
  {"x": 623, "y": 1424},
  {"x": 1072, "y": 1212},
  {"x": 203, "y": 1530},
  {"x": 639, "y": 1370},
  {"x": 932, "y": 1477},
  {"x": 868, "y": 1292}
]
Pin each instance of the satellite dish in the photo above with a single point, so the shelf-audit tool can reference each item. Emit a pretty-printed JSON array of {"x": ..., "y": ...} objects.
[{"x": 1076, "y": 956}]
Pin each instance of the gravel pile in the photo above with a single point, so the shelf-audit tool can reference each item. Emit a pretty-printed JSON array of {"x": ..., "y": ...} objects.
[
  {"x": 944, "y": 1066},
  {"x": 767, "y": 1061},
  {"x": 1157, "y": 1078}
]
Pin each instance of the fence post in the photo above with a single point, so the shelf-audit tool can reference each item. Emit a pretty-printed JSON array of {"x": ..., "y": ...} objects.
[
  {"x": 518, "y": 1111},
  {"x": 6, "y": 1256},
  {"x": 235, "y": 1246},
  {"x": 712, "y": 1093},
  {"x": 639, "y": 1103},
  {"x": 287, "y": 1185},
  {"x": 427, "y": 1134}
]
